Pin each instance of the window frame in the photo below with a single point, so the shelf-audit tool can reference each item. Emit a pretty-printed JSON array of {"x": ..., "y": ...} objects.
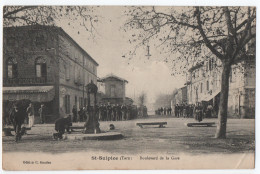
[
  {"x": 14, "y": 68},
  {"x": 41, "y": 65}
]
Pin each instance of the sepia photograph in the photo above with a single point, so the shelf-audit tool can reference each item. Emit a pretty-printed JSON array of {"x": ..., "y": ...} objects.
[{"x": 97, "y": 87}]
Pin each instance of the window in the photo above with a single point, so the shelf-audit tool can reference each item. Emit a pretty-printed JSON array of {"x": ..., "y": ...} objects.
[
  {"x": 67, "y": 72},
  {"x": 40, "y": 66},
  {"x": 67, "y": 104},
  {"x": 201, "y": 87},
  {"x": 76, "y": 55},
  {"x": 210, "y": 64},
  {"x": 81, "y": 102},
  {"x": 112, "y": 90},
  {"x": 85, "y": 101},
  {"x": 76, "y": 101},
  {"x": 208, "y": 85},
  {"x": 231, "y": 76},
  {"x": 11, "y": 41},
  {"x": 39, "y": 40},
  {"x": 12, "y": 68}
]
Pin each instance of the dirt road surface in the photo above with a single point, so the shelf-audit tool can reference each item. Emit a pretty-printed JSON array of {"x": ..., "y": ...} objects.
[{"x": 174, "y": 138}]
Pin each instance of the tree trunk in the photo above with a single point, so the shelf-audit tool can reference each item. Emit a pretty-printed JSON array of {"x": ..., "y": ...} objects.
[{"x": 223, "y": 103}]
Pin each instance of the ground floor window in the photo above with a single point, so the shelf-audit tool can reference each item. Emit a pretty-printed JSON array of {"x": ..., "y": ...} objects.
[
  {"x": 76, "y": 101},
  {"x": 81, "y": 102},
  {"x": 67, "y": 104},
  {"x": 85, "y": 101}
]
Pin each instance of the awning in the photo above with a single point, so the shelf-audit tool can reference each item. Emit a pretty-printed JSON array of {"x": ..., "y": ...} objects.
[
  {"x": 208, "y": 97},
  {"x": 33, "y": 93}
]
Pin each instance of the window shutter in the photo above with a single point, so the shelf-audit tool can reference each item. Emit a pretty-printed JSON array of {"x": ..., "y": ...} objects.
[
  {"x": 44, "y": 70},
  {"x": 15, "y": 71}
]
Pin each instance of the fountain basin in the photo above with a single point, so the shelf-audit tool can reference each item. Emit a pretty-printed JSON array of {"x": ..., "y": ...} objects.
[{"x": 98, "y": 136}]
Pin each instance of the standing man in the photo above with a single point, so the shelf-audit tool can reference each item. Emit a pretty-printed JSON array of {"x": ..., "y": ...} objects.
[
  {"x": 74, "y": 112},
  {"x": 176, "y": 110},
  {"x": 30, "y": 114},
  {"x": 118, "y": 112},
  {"x": 17, "y": 118},
  {"x": 105, "y": 112},
  {"x": 80, "y": 114},
  {"x": 109, "y": 112},
  {"x": 42, "y": 113}
]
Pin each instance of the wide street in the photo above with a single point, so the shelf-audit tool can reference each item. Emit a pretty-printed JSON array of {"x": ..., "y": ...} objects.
[{"x": 174, "y": 138}]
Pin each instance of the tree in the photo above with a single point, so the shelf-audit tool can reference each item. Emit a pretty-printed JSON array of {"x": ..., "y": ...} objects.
[
  {"x": 142, "y": 99},
  {"x": 164, "y": 100},
  {"x": 42, "y": 16},
  {"x": 50, "y": 15},
  {"x": 194, "y": 34}
]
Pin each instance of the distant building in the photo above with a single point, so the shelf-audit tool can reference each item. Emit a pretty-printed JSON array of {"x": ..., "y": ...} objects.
[
  {"x": 114, "y": 92},
  {"x": 43, "y": 64},
  {"x": 180, "y": 96}
]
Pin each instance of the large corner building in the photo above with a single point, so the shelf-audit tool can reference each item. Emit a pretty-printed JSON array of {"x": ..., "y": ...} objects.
[{"x": 43, "y": 64}]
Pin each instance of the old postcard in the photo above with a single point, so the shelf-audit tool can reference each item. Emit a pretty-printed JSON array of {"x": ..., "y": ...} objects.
[{"x": 128, "y": 87}]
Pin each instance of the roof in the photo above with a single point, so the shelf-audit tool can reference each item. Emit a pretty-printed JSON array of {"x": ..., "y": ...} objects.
[
  {"x": 32, "y": 93},
  {"x": 53, "y": 28},
  {"x": 198, "y": 65},
  {"x": 27, "y": 89},
  {"x": 113, "y": 76}
]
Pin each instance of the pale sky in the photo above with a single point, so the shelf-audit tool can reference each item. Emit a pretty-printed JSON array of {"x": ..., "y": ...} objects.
[{"x": 153, "y": 76}]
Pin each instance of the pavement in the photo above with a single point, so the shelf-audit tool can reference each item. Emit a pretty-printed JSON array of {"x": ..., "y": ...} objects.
[{"x": 176, "y": 137}]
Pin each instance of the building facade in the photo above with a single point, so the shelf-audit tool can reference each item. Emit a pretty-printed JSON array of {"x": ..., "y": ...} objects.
[
  {"x": 114, "y": 90},
  {"x": 204, "y": 85},
  {"x": 180, "y": 96},
  {"x": 43, "y": 64}
]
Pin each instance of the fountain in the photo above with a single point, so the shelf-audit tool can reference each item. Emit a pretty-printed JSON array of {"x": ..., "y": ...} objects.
[{"x": 91, "y": 128}]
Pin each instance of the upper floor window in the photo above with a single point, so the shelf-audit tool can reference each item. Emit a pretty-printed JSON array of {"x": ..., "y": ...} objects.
[
  {"x": 40, "y": 66},
  {"x": 67, "y": 71},
  {"x": 39, "y": 40},
  {"x": 208, "y": 85},
  {"x": 201, "y": 87},
  {"x": 10, "y": 41},
  {"x": 12, "y": 68},
  {"x": 231, "y": 76},
  {"x": 112, "y": 91}
]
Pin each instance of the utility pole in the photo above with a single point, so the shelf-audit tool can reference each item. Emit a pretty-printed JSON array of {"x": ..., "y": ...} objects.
[
  {"x": 83, "y": 88},
  {"x": 148, "y": 52}
]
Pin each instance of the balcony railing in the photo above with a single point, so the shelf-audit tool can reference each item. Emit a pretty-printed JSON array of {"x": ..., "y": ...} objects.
[{"x": 24, "y": 81}]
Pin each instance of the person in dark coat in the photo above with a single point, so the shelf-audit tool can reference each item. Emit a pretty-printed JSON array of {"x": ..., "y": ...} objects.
[
  {"x": 118, "y": 112},
  {"x": 104, "y": 113},
  {"x": 176, "y": 110},
  {"x": 42, "y": 112},
  {"x": 17, "y": 117},
  {"x": 161, "y": 110},
  {"x": 123, "y": 109},
  {"x": 61, "y": 125},
  {"x": 109, "y": 112},
  {"x": 198, "y": 112},
  {"x": 74, "y": 112}
]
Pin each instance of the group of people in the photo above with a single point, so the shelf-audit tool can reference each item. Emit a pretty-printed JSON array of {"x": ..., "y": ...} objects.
[
  {"x": 19, "y": 115},
  {"x": 30, "y": 114},
  {"x": 164, "y": 111},
  {"x": 197, "y": 111},
  {"x": 184, "y": 110},
  {"x": 106, "y": 112}
]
